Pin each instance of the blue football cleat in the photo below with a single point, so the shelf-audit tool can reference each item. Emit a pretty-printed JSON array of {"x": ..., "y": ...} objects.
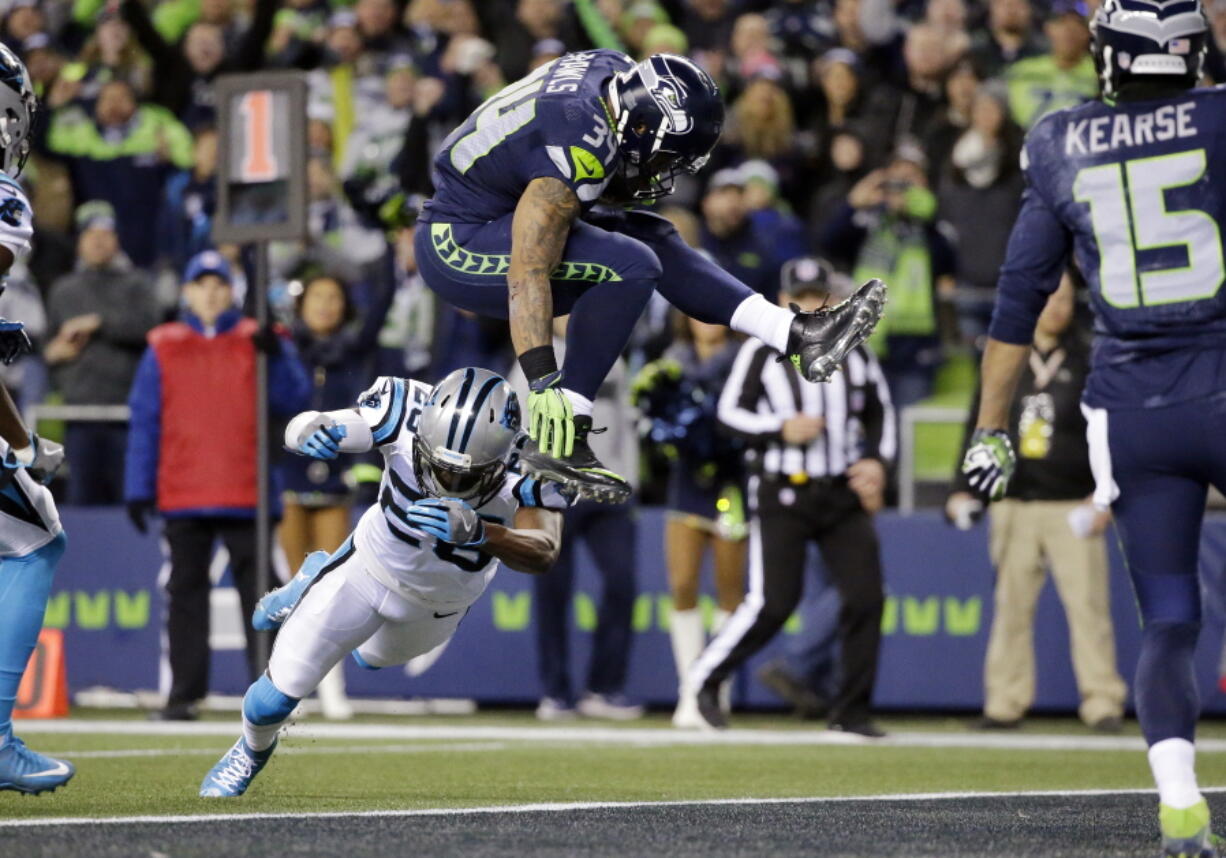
[
  {"x": 275, "y": 608},
  {"x": 235, "y": 771},
  {"x": 28, "y": 772}
]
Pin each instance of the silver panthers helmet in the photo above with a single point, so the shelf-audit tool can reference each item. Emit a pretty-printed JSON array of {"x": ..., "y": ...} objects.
[
  {"x": 465, "y": 434},
  {"x": 17, "y": 107}
]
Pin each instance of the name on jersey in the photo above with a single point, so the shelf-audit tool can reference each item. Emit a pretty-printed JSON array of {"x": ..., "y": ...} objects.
[
  {"x": 568, "y": 73},
  {"x": 1104, "y": 133}
]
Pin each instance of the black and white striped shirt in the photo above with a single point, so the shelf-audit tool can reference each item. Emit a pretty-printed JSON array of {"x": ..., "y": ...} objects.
[{"x": 761, "y": 393}]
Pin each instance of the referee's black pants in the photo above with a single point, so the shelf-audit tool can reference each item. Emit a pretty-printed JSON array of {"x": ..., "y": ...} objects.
[
  {"x": 785, "y": 518},
  {"x": 190, "y": 541}
]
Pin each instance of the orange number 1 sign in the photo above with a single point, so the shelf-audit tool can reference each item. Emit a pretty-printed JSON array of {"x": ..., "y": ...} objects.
[{"x": 259, "y": 162}]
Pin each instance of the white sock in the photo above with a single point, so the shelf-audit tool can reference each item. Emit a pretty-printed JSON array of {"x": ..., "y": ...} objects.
[
  {"x": 760, "y": 318},
  {"x": 260, "y": 738},
  {"x": 581, "y": 405},
  {"x": 1173, "y": 762},
  {"x": 717, "y": 621},
  {"x": 685, "y": 632}
]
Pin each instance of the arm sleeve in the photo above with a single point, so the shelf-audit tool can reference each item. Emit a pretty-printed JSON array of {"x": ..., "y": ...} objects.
[
  {"x": 1038, "y": 250},
  {"x": 738, "y": 403},
  {"x": 144, "y": 431},
  {"x": 357, "y": 438}
]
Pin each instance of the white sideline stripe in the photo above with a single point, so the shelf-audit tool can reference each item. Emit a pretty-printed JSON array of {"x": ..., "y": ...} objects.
[
  {"x": 434, "y": 747},
  {"x": 567, "y": 807},
  {"x": 639, "y": 736}
]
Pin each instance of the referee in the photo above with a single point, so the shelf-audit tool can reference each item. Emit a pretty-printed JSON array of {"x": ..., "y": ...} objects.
[{"x": 820, "y": 453}]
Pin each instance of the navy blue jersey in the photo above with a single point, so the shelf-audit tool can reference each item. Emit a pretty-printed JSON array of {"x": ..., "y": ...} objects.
[
  {"x": 1137, "y": 192},
  {"x": 552, "y": 123}
]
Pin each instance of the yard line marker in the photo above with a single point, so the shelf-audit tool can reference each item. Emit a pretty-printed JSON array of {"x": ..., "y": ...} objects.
[
  {"x": 569, "y": 807},
  {"x": 625, "y": 736},
  {"x": 435, "y": 747}
]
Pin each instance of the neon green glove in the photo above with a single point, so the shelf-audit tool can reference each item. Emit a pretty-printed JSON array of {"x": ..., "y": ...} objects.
[
  {"x": 990, "y": 462},
  {"x": 551, "y": 419}
]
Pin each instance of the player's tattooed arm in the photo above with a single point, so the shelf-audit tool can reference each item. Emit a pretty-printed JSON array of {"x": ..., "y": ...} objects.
[
  {"x": 538, "y": 236},
  {"x": 532, "y": 545},
  {"x": 1003, "y": 364}
]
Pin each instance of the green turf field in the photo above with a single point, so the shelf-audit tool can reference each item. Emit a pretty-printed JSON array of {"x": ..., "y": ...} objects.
[
  {"x": 501, "y": 783},
  {"x": 504, "y": 759}
]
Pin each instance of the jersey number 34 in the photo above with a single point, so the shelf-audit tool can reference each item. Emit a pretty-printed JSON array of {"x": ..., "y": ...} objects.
[{"x": 1128, "y": 210}]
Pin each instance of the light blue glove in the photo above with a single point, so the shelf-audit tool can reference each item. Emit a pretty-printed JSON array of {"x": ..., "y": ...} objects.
[
  {"x": 324, "y": 442},
  {"x": 448, "y": 520}
]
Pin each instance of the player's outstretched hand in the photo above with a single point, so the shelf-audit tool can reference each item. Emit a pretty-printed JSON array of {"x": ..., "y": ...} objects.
[
  {"x": 551, "y": 419},
  {"x": 989, "y": 463},
  {"x": 14, "y": 341},
  {"x": 448, "y": 520},
  {"x": 41, "y": 459},
  {"x": 48, "y": 457},
  {"x": 324, "y": 442}
]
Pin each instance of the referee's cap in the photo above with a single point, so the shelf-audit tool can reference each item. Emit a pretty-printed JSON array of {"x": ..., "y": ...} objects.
[{"x": 814, "y": 276}]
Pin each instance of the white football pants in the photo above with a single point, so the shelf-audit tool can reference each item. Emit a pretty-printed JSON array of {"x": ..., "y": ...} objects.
[{"x": 348, "y": 609}]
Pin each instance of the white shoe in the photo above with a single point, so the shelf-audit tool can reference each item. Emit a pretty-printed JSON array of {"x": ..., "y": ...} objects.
[
  {"x": 610, "y": 707},
  {"x": 553, "y": 709},
  {"x": 685, "y": 716}
]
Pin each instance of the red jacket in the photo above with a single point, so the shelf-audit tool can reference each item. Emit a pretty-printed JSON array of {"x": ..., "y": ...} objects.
[
  {"x": 208, "y": 442},
  {"x": 192, "y": 441}
]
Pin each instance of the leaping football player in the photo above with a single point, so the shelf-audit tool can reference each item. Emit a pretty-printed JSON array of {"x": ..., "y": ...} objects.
[
  {"x": 514, "y": 231},
  {"x": 31, "y": 537},
  {"x": 1134, "y": 185},
  {"x": 451, "y": 506}
]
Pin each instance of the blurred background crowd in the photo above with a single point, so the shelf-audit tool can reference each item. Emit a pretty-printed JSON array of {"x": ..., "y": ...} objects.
[{"x": 879, "y": 136}]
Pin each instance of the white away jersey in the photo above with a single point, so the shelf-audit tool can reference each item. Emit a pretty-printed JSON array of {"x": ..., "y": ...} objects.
[
  {"x": 399, "y": 555},
  {"x": 28, "y": 517},
  {"x": 16, "y": 217}
]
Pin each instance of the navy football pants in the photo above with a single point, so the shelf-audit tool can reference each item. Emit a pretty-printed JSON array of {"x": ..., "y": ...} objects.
[
  {"x": 610, "y": 265},
  {"x": 1163, "y": 460}
]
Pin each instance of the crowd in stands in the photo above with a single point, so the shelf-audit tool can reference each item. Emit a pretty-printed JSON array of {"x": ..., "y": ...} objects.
[{"x": 880, "y": 135}]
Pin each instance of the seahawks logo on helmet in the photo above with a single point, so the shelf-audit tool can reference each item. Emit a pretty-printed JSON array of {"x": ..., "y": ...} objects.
[{"x": 669, "y": 95}]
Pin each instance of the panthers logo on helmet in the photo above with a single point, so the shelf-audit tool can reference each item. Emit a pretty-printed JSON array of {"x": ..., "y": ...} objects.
[{"x": 510, "y": 414}]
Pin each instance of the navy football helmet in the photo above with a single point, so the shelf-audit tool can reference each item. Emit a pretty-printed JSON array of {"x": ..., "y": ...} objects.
[
  {"x": 669, "y": 115},
  {"x": 1155, "y": 41}
]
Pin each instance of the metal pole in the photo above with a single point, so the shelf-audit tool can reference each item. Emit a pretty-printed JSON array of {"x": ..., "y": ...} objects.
[
  {"x": 906, "y": 462},
  {"x": 263, "y": 511}
]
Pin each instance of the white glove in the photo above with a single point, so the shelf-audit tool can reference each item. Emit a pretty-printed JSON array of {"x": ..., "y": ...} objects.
[{"x": 41, "y": 458}]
